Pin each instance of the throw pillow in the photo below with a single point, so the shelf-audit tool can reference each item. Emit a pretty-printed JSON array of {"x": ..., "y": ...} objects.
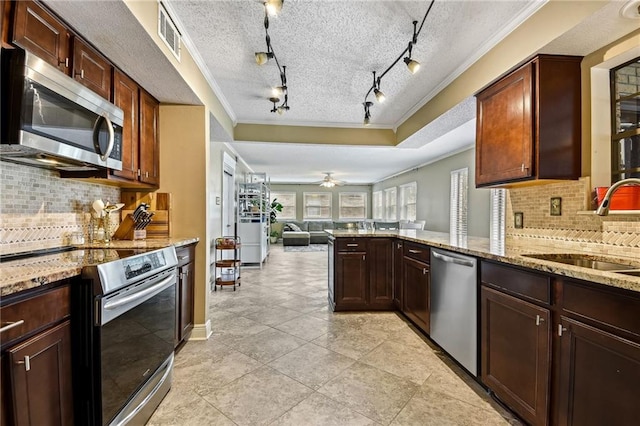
[{"x": 293, "y": 227}]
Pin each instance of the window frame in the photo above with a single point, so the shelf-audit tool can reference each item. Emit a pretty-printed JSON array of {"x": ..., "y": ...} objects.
[
  {"x": 403, "y": 205},
  {"x": 276, "y": 194},
  {"x": 364, "y": 205},
  {"x": 377, "y": 209},
  {"x": 387, "y": 216},
  {"x": 304, "y": 205}
]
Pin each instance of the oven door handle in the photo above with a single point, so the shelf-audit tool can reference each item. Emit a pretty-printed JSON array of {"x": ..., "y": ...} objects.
[{"x": 156, "y": 288}]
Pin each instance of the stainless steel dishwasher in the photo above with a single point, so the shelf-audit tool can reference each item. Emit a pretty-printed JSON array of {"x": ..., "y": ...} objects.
[{"x": 454, "y": 306}]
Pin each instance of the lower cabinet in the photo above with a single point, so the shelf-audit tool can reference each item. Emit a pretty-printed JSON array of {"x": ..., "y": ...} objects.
[
  {"x": 416, "y": 285},
  {"x": 185, "y": 292},
  {"x": 515, "y": 353},
  {"x": 397, "y": 274},
  {"x": 36, "y": 358},
  {"x": 362, "y": 279}
]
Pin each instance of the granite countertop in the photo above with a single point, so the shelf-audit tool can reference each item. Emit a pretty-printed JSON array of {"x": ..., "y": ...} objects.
[
  {"x": 513, "y": 254},
  {"x": 31, "y": 272}
]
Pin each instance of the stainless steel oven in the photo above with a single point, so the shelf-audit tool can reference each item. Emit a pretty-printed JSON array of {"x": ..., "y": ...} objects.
[
  {"x": 124, "y": 313},
  {"x": 50, "y": 120}
]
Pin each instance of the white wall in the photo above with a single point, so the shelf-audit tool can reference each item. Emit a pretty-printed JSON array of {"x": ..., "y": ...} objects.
[{"x": 434, "y": 181}]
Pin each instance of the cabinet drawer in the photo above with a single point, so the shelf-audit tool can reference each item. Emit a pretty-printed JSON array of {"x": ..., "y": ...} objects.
[
  {"x": 531, "y": 285},
  {"x": 351, "y": 244},
  {"x": 602, "y": 306},
  {"x": 186, "y": 254},
  {"x": 416, "y": 251},
  {"x": 37, "y": 312}
]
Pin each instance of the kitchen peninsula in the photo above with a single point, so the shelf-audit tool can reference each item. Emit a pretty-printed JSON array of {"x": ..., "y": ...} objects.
[{"x": 566, "y": 330}]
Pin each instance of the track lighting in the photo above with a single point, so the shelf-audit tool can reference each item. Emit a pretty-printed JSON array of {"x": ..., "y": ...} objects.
[
  {"x": 272, "y": 7},
  {"x": 263, "y": 57},
  {"x": 412, "y": 65}
]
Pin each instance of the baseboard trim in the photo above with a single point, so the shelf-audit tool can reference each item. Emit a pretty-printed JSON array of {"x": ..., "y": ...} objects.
[{"x": 201, "y": 331}]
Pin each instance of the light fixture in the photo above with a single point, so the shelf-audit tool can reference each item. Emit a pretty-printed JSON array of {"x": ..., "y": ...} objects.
[
  {"x": 412, "y": 65},
  {"x": 281, "y": 91},
  {"x": 329, "y": 182},
  {"x": 273, "y": 7}
]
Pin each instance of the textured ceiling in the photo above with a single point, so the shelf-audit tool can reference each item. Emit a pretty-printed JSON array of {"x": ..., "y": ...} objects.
[{"x": 330, "y": 49}]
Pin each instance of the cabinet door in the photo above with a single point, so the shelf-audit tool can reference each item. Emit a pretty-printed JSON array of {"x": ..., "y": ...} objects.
[
  {"x": 149, "y": 151},
  {"x": 380, "y": 273},
  {"x": 599, "y": 377},
  {"x": 37, "y": 31},
  {"x": 40, "y": 371},
  {"x": 515, "y": 353},
  {"x": 91, "y": 69},
  {"x": 351, "y": 280},
  {"x": 126, "y": 97},
  {"x": 397, "y": 274},
  {"x": 186, "y": 285},
  {"x": 504, "y": 131},
  {"x": 416, "y": 292}
]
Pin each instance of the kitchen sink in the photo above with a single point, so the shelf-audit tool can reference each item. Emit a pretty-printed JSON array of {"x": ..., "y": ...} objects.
[{"x": 587, "y": 261}]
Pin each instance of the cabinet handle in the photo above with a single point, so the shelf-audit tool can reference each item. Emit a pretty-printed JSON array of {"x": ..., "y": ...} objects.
[
  {"x": 26, "y": 362},
  {"x": 146, "y": 174},
  {"x": 65, "y": 62},
  {"x": 425, "y": 271},
  {"x": 415, "y": 251},
  {"x": 399, "y": 245},
  {"x": 561, "y": 329},
  {"x": 81, "y": 74},
  {"x": 539, "y": 319},
  {"x": 139, "y": 173},
  {"x": 10, "y": 325},
  {"x": 363, "y": 257},
  {"x": 182, "y": 257},
  {"x": 352, "y": 245}
]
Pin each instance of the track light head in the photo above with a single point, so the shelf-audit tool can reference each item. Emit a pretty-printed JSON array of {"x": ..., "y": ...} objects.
[
  {"x": 379, "y": 95},
  {"x": 412, "y": 65},
  {"x": 273, "y": 7},
  {"x": 278, "y": 91},
  {"x": 263, "y": 57}
]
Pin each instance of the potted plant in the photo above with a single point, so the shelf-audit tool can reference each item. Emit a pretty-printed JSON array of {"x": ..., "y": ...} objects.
[
  {"x": 276, "y": 207},
  {"x": 273, "y": 237}
]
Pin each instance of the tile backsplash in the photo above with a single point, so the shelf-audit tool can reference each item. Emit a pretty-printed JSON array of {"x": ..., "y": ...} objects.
[
  {"x": 576, "y": 228},
  {"x": 38, "y": 209}
]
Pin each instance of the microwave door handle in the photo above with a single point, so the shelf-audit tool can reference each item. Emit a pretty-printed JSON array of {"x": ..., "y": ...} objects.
[{"x": 96, "y": 129}]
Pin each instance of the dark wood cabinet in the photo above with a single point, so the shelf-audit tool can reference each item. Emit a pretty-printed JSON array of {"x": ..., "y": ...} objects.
[
  {"x": 351, "y": 280},
  {"x": 416, "y": 291},
  {"x": 38, "y": 31},
  {"x": 516, "y": 353},
  {"x": 40, "y": 370},
  {"x": 149, "y": 146},
  {"x": 91, "y": 69},
  {"x": 380, "y": 273},
  {"x": 528, "y": 123},
  {"x": 126, "y": 96},
  {"x": 599, "y": 376},
  {"x": 185, "y": 292},
  {"x": 36, "y": 364},
  {"x": 397, "y": 274},
  {"x": 363, "y": 274}
]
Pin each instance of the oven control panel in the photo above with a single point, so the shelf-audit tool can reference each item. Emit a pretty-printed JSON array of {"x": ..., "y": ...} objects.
[{"x": 141, "y": 264}]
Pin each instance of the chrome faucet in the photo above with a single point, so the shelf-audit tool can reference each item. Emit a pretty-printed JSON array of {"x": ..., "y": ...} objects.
[{"x": 603, "y": 208}]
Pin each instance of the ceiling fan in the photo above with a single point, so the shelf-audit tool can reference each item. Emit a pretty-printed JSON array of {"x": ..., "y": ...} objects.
[{"x": 329, "y": 182}]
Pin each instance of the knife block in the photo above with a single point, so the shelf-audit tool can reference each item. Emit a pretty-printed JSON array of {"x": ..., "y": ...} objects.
[
  {"x": 160, "y": 204},
  {"x": 127, "y": 231}
]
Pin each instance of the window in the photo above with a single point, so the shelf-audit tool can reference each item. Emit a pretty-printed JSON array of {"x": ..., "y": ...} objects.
[
  {"x": 377, "y": 206},
  {"x": 317, "y": 205},
  {"x": 625, "y": 121},
  {"x": 458, "y": 212},
  {"x": 390, "y": 204},
  {"x": 353, "y": 205},
  {"x": 408, "y": 197},
  {"x": 288, "y": 201}
]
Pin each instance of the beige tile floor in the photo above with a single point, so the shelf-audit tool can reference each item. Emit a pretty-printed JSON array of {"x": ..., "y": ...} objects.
[{"x": 278, "y": 356}]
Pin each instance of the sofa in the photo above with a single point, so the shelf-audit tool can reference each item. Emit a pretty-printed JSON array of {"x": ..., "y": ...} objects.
[{"x": 302, "y": 233}]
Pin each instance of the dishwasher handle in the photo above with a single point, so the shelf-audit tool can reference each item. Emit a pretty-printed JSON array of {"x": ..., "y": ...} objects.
[{"x": 450, "y": 259}]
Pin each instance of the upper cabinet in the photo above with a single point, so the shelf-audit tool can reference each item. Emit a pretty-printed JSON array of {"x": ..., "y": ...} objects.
[
  {"x": 528, "y": 123},
  {"x": 91, "y": 69},
  {"x": 37, "y": 31},
  {"x": 149, "y": 151},
  {"x": 126, "y": 97}
]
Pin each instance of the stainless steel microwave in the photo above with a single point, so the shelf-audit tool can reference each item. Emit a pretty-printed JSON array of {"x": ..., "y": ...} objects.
[{"x": 50, "y": 120}]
